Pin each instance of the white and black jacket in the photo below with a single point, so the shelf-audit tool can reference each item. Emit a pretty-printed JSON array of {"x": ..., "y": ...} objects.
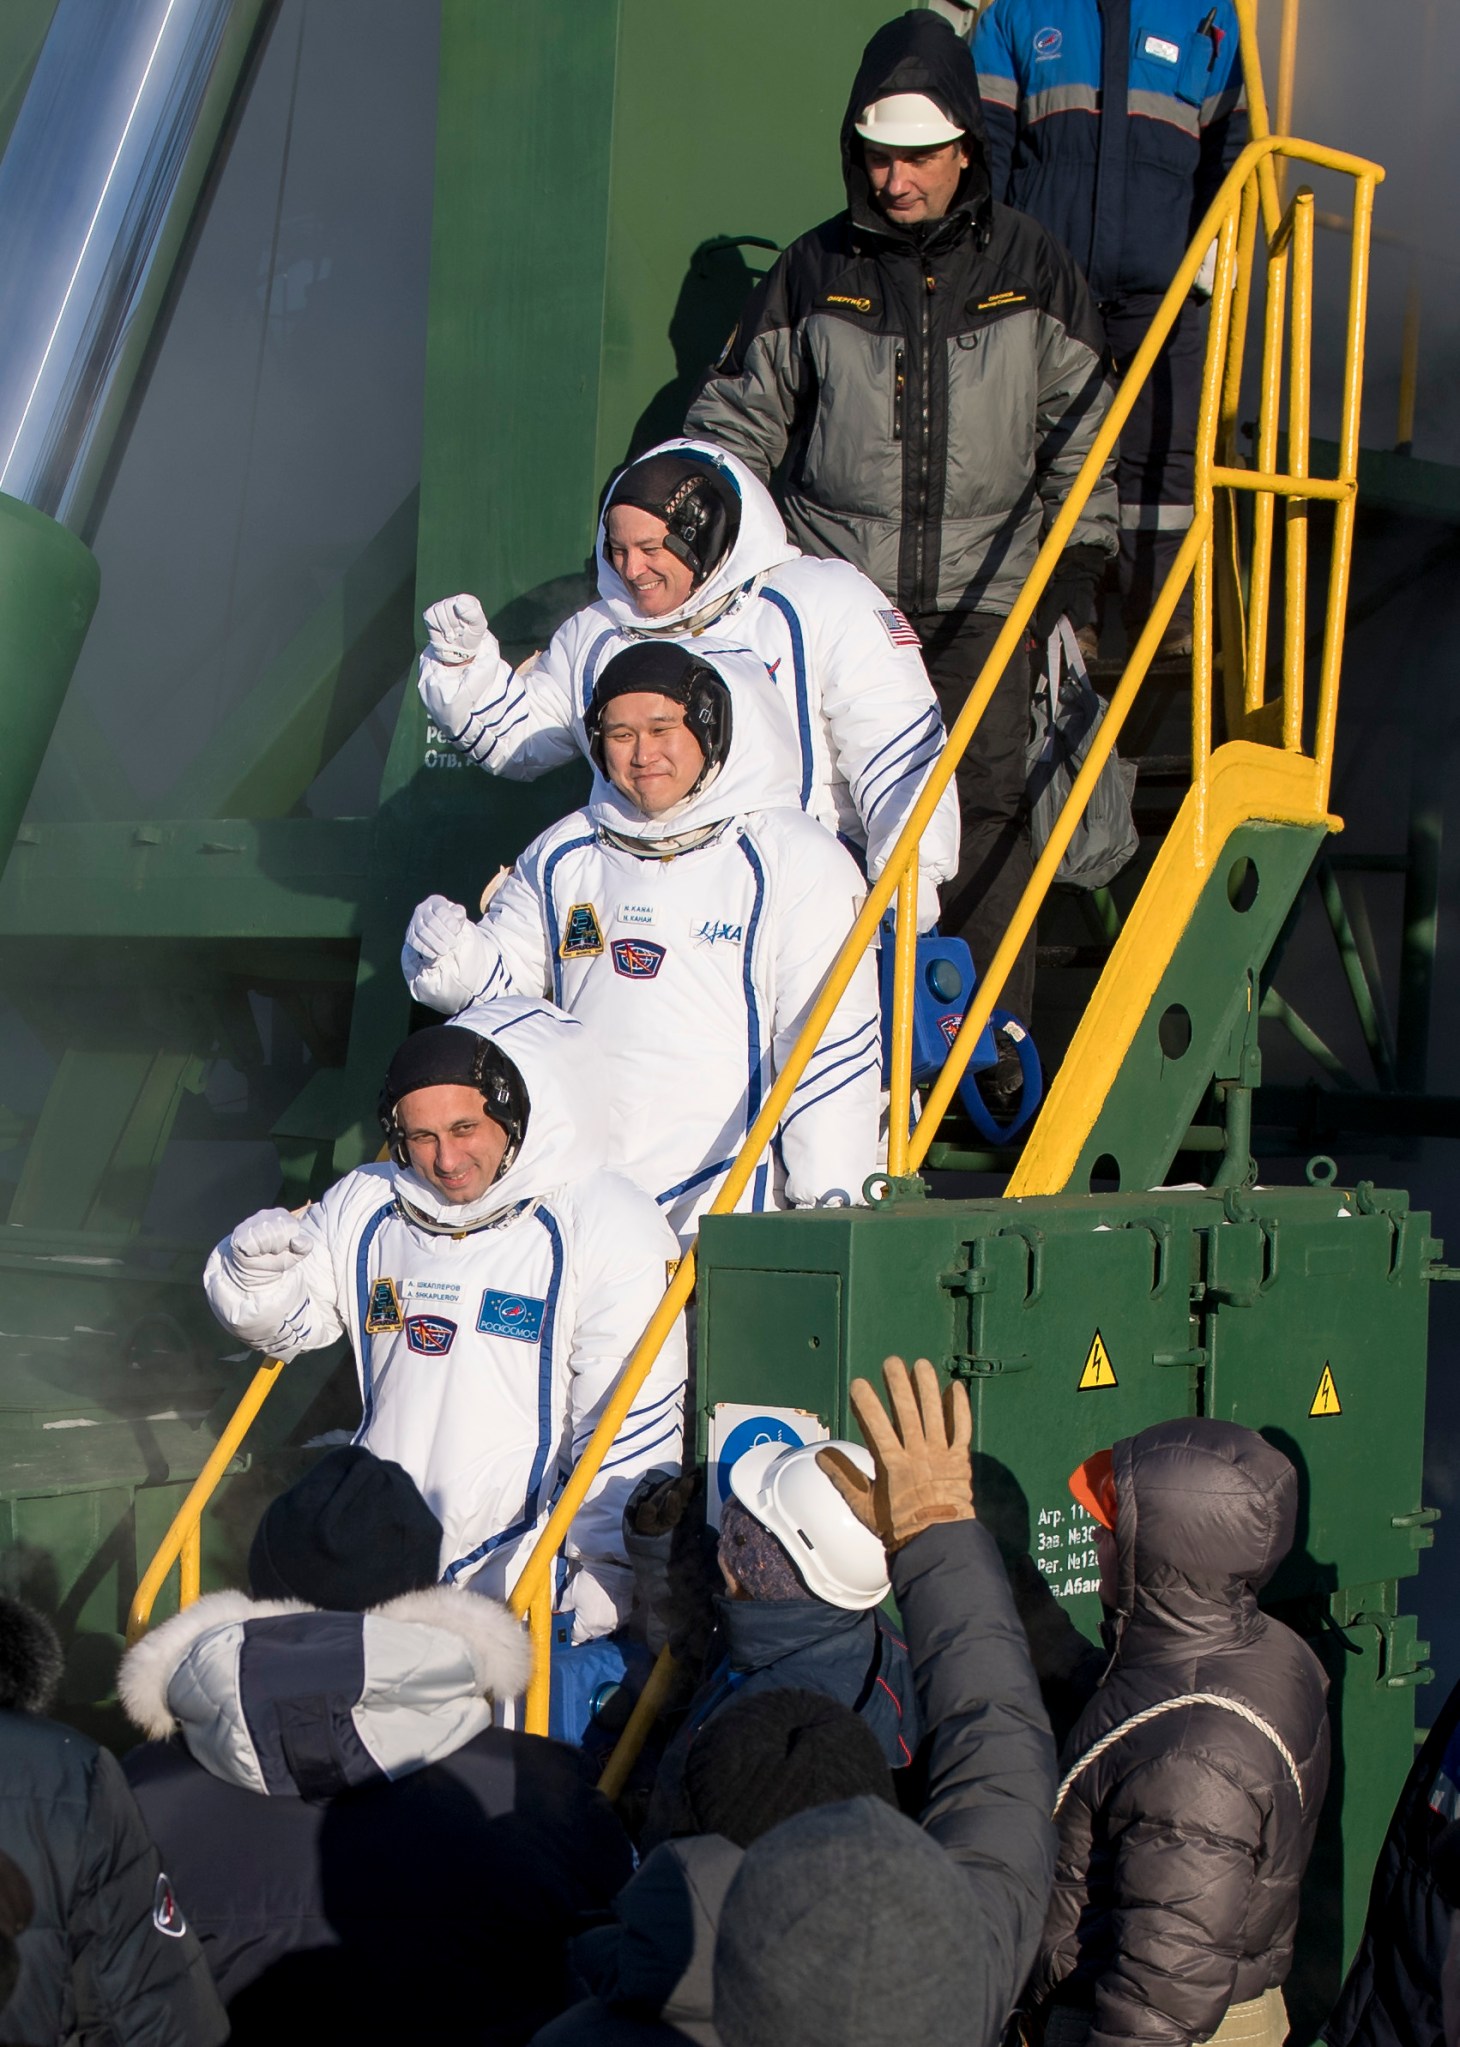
[{"x": 352, "y": 1833}]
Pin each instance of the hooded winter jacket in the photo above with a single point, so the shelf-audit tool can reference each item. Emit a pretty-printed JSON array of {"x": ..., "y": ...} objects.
[
  {"x": 1124, "y": 199},
  {"x": 110, "y": 1958},
  {"x": 859, "y": 709},
  {"x": 360, "y": 1844},
  {"x": 693, "y": 972},
  {"x": 488, "y": 1336},
  {"x": 936, "y": 386},
  {"x": 1182, "y": 1845},
  {"x": 794, "y": 1645}
]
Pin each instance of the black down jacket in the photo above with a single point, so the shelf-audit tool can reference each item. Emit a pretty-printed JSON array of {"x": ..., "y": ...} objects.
[
  {"x": 1182, "y": 1845},
  {"x": 937, "y": 386},
  {"x": 108, "y": 1958},
  {"x": 1393, "y": 1996}
]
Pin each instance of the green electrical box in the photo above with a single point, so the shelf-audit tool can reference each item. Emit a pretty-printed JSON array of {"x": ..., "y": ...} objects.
[{"x": 1299, "y": 1312}]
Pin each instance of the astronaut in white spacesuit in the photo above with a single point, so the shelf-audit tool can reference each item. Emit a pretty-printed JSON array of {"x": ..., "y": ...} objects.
[
  {"x": 691, "y": 547},
  {"x": 492, "y": 1279},
  {"x": 688, "y": 915}
]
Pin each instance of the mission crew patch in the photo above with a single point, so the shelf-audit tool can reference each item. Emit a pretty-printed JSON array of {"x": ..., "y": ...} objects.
[
  {"x": 582, "y": 937},
  {"x": 430, "y": 1336},
  {"x": 637, "y": 959},
  {"x": 514, "y": 1315},
  {"x": 383, "y": 1316}
]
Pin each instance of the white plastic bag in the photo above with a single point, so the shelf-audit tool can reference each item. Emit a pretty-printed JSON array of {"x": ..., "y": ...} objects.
[{"x": 1067, "y": 713}]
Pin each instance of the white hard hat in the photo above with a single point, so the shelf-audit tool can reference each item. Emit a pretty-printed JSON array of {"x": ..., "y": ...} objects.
[
  {"x": 786, "y": 1490},
  {"x": 906, "y": 120}
]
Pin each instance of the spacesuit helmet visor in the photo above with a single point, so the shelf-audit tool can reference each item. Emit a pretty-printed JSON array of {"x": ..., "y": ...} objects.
[
  {"x": 700, "y": 509},
  {"x": 445, "y": 1055},
  {"x": 662, "y": 668}
]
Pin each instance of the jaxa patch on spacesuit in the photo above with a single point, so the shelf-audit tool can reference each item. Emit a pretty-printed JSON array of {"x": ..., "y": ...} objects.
[
  {"x": 582, "y": 936},
  {"x": 514, "y": 1315},
  {"x": 637, "y": 959},
  {"x": 430, "y": 1336},
  {"x": 383, "y": 1317}
]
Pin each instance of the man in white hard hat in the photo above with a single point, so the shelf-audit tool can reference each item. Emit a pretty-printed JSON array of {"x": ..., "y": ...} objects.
[
  {"x": 803, "y": 1581},
  {"x": 931, "y": 364}
]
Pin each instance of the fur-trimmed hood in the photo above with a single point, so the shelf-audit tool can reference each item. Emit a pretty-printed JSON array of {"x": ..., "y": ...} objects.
[{"x": 293, "y": 1701}]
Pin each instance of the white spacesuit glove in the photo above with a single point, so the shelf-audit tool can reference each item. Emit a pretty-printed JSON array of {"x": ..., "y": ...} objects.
[
  {"x": 927, "y": 904},
  {"x": 265, "y": 1246},
  {"x": 436, "y": 928},
  {"x": 1205, "y": 281},
  {"x": 456, "y": 628}
]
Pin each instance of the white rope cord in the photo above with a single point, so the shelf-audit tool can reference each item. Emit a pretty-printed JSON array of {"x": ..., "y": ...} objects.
[{"x": 1247, "y": 1713}]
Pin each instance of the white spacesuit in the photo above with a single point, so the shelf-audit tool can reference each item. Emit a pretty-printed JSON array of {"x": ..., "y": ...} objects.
[
  {"x": 860, "y": 712},
  {"x": 692, "y": 945},
  {"x": 487, "y": 1335}
]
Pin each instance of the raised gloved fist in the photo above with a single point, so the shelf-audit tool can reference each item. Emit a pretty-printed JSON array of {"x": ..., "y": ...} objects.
[
  {"x": 456, "y": 628},
  {"x": 436, "y": 927},
  {"x": 267, "y": 1244}
]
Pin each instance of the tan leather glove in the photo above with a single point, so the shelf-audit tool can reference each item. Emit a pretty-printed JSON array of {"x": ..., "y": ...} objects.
[{"x": 923, "y": 1473}]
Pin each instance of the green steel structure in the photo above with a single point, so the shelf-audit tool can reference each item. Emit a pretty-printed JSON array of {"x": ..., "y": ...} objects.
[{"x": 593, "y": 235}]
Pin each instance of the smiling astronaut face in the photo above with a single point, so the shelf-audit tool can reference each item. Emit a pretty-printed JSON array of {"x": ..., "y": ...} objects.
[{"x": 452, "y": 1141}]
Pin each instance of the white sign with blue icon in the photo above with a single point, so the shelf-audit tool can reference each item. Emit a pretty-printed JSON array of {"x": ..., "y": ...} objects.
[{"x": 736, "y": 1426}]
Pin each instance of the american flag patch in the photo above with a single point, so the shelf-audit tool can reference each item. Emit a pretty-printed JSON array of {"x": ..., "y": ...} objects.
[{"x": 897, "y": 629}]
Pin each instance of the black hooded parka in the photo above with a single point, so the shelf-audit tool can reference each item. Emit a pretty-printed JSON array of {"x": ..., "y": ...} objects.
[
  {"x": 938, "y": 385},
  {"x": 1181, "y": 1848}
]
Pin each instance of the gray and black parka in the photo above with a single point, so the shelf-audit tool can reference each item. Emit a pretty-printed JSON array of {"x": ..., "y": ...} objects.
[
  {"x": 935, "y": 387},
  {"x": 1182, "y": 1847}
]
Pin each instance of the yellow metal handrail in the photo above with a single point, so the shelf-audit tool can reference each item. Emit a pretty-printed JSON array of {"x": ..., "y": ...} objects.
[{"x": 1250, "y": 191}]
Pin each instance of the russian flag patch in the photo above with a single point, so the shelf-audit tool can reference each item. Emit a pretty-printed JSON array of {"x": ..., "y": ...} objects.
[{"x": 898, "y": 630}]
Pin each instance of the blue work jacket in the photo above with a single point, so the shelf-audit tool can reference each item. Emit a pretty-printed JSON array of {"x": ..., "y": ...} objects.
[{"x": 1113, "y": 123}]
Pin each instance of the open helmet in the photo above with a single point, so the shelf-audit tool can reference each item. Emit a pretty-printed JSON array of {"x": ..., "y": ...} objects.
[{"x": 446, "y": 1055}]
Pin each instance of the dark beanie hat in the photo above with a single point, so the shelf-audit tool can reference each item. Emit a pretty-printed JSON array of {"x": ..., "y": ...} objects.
[
  {"x": 700, "y": 509},
  {"x": 760, "y": 1561},
  {"x": 848, "y": 1924},
  {"x": 774, "y": 1754},
  {"x": 352, "y": 1534}
]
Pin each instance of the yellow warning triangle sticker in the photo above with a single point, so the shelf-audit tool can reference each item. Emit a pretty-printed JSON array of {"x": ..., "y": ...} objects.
[
  {"x": 1326, "y": 1400},
  {"x": 1098, "y": 1369}
]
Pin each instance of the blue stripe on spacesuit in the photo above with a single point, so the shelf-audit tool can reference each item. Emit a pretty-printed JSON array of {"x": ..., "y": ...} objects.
[
  {"x": 747, "y": 972},
  {"x": 590, "y": 666},
  {"x": 650, "y": 1419},
  {"x": 362, "y": 1300},
  {"x": 489, "y": 713},
  {"x": 798, "y": 664},
  {"x": 869, "y": 1064},
  {"x": 549, "y": 868},
  {"x": 501, "y": 1030},
  {"x": 926, "y": 738},
  {"x": 694, "y": 1180},
  {"x": 544, "y": 1413}
]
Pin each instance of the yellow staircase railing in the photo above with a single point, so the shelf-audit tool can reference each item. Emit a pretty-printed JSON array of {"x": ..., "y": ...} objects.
[{"x": 1263, "y": 771}]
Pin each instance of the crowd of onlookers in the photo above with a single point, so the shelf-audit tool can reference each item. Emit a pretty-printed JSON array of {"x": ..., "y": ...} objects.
[{"x": 856, "y": 1831}]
